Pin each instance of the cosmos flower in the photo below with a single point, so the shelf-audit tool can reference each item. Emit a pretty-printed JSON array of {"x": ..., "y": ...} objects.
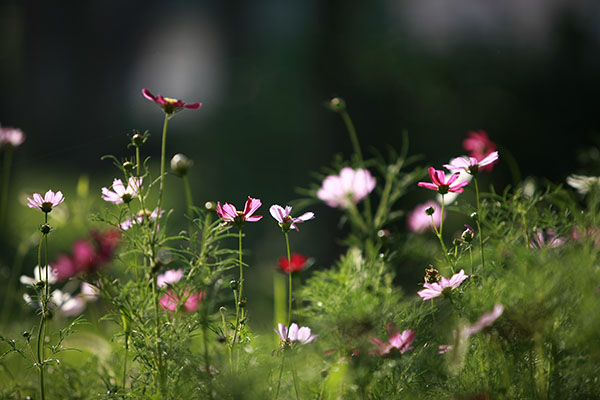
[
  {"x": 297, "y": 263},
  {"x": 471, "y": 164},
  {"x": 29, "y": 281},
  {"x": 400, "y": 341},
  {"x": 486, "y": 320},
  {"x": 418, "y": 221},
  {"x": 435, "y": 289},
  {"x": 169, "y": 277},
  {"x": 141, "y": 216},
  {"x": 64, "y": 302},
  {"x": 294, "y": 334},
  {"x": 549, "y": 239},
  {"x": 169, "y": 105},
  {"x": 121, "y": 194},
  {"x": 479, "y": 145},
  {"x": 11, "y": 137},
  {"x": 230, "y": 214},
  {"x": 583, "y": 184},
  {"x": 350, "y": 186},
  {"x": 287, "y": 222},
  {"x": 169, "y": 301},
  {"x": 46, "y": 203},
  {"x": 442, "y": 185}
]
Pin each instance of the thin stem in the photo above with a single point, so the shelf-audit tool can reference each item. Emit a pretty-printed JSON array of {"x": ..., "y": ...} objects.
[
  {"x": 125, "y": 361},
  {"x": 478, "y": 223},
  {"x": 384, "y": 199},
  {"x": 163, "y": 152},
  {"x": 294, "y": 376},
  {"x": 5, "y": 180},
  {"x": 438, "y": 233},
  {"x": 239, "y": 311},
  {"x": 160, "y": 380},
  {"x": 189, "y": 201},
  {"x": 40, "y": 337},
  {"x": 355, "y": 215},
  {"x": 471, "y": 257},
  {"x": 287, "y": 243},
  {"x": 279, "y": 380}
]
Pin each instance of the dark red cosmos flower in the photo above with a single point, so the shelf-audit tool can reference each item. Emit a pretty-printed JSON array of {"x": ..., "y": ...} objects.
[
  {"x": 298, "y": 263},
  {"x": 169, "y": 105}
]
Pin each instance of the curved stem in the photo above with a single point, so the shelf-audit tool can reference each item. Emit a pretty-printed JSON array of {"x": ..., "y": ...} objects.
[{"x": 287, "y": 243}]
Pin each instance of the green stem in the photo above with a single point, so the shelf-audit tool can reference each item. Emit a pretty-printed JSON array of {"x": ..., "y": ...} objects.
[
  {"x": 438, "y": 233},
  {"x": 189, "y": 201},
  {"x": 239, "y": 311},
  {"x": 125, "y": 361},
  {"x": 478, "y": 223},
  {"x": 355, "y": 215},
  {"x": 279, "y": 380},
  {"x": 160, "y": 372},
  {"x": 43, "y": 294},
  {"x": 384, "y": 199},
  {"x": 287, "y": 243},
  {"x": 5, "y": 181},
  {"x": 294, "y": 376},
  {"x": 163, "y": 152}
]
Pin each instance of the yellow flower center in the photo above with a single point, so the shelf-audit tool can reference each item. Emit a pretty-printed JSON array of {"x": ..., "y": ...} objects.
[{"x": 170, "y": 100}]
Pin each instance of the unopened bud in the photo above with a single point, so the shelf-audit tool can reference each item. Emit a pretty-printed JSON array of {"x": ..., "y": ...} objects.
[
  {"x": 430, "y": 211},
  {"x": 45, "y": 229},
  {"x": 474, "y": 216},
  {"x": 210, "y": 206},
  {"x": 128, "y": 166},
  {"x": 242, "y": 303},
  {"x": 180, "y": 164},
  {"x": 336, "y": 104},
  {"x": 139, "y": 139},
  {"x": 233, "y": 284}
]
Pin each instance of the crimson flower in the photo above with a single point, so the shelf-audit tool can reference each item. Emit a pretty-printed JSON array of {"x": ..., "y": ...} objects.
[
  {"x": 436, "y": 289},
  {"x": 400, "y": 341},
  {"x": 440, "y": 184},
  {"x": 297, "y": 263},
  {"x": 169, "y": 105},
  {"x": 230, "y": 214},
  {"x": 479, "y": 146}
]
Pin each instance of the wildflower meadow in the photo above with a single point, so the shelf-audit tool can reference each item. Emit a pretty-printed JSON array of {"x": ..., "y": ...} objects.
[{"x": 146, "y": 306}]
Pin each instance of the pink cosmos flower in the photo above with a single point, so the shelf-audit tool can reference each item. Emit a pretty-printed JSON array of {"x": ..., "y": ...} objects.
[
  {"x": 47, "y": 202},
  {"x": 28, "y": 281},
  {"x": 139, "y": 218},
  {"x": 230, "y": 214},
  {"x": 548, "y": 240},
  {"x": 287, "y": 222},
  {"x": 440, "y": 184},
  {"x": 121, "y": 194},
  {"x": 437, "y": 288},
  {"x": 350, "y": 186},
  {"x": 301, "y": 335},
  {"x": 170, "y": 106},
  {"x": 444, "y": 348},
  {"x": 170, "y": 301},
  {"x": 418, "y": 221},
  {"x": 486, "y": 320},
  {"x": 471, "y": 164},
  {"x": 400, "y": 341},
  {"x": 169, "y": 277},
  {"x": 11, "y": 137},
  {"x": 479, "y": 145},
  {"x": 297, "y": 263}
]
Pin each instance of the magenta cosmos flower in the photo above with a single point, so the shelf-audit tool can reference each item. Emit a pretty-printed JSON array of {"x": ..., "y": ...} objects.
[
  {"x": 301, "y": 335},
  {"x": 400, "y": 341},
  {"x": 440, "y": 184},
  {"x": 170, "y": 106},
  {"x": 286, "y": 221},
  {"x": 479, "y": 145},
  {"x": 170, "y": 301},
  {"x": 350, "y": 186},
  {"x": 230, "y": 214},
  {"x": 121, "y": 194},
  {"x": 46, "y": 203},
  {"x": 11, "y": 137},
  {"x": 445, "y": 285},
  {"x": 418, "y": 221},
  {"x": 471, "y": 164}
]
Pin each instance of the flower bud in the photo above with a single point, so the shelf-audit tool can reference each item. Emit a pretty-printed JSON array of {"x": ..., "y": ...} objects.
[
  {"x": 26, "y": 334},
  {"x": 139, "y": 139},
  {"x": 210, "y": 206},
  {"x": 336, "y": 104},
  {"x": 474, "y": 216},
  {"x": 431, "y": 275},
  {"x": 242, "y": 303},
  {"x": 45, "y": 229},
  {"x": 128, "y": 166},
  {"x": 180, "y": 164},
  {"x": 430, "y": 211},
  {"x": 233, "y": 284}
]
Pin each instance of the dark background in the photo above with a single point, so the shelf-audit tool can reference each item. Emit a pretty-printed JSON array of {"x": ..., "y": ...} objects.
[{"x": 527, "y": 72}]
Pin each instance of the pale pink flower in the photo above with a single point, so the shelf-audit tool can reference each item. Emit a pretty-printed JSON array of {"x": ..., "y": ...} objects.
[
  {"x": 28, "y": 281},
  {"x": 169, "y": 277},
  {"x": 286, "y": 221},
  {"x": 301, "y": 335},
  {"x": 139, "y": 219},
  {"x": 435, "y": 289},
  {"x": 350, "y": 186},
  {"x": 89, "y": 292},
  {"x": 479, "y": 145},
  {"x": 471, "y": 164},
  {"x": 169, "y": 301},
  {"x": 418, "y": 221},
  {"x": 486, "y": 320},
  {"x": 548, "y": 240},
  {"x": 230, "y": 214},
  {"x": 65, "y": 303},
  {"x": 400, "y": 341},
  {"x": 121, "y": 194},
  {"x": 46, "y": 203},
  {"x": 11, "y": 137},
  {"x": 440, "y": 184},
  {"x": 444, "y": 348},
  {"x": 170, "y": 106}
]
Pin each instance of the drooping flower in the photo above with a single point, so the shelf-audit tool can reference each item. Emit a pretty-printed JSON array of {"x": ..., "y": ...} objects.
[
  {"x": 121, "y": 194},
  {"x": 286, "y": 221},
  {"x": 583, "y": 184},
  {"x": 468, "y": 234},
  {"x": 297, "y": 263},
  {"x": 471, "y": 164},
  {"x": 419, "y": 221},
  {"x": 486, "y": 320},
  {"x": 169, "y": 105},
  {"x": 230, "y": 214},
  {"x": 169, "y": 277},
  {"x": 46, "y": 203},
  {"x": 301, "y": 335},
  {"x": 142, "y": 215},
  {"x": 436, "y": 289},
  {"x": 479, "y": 145},
  {"x": 29, "y": 281},
  {"x": 440, "y": 184},
  {"x": 11, "y": 137},
  {"x": 400, "y": 341},
  {"x": 170, "y": 301},
  {"x": 350, "y": 186}
]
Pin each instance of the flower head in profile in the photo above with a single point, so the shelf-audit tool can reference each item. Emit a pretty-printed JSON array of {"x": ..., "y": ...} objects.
[
  {"x": 121, "y": 194},
  {"x": 471, "y": 164},
  {"x": 230, "y": 214},
  {"x": 546, "y": 239},
  {"x": 350, "y": 186},
  {"x": 169, "y": 105},
  {"x": 46, "y": 203},
  {"x": 29, "y": 281},
  {"x": 301, "y": 335},
  {"x": 478, "y": 144},
  {"x": 419, "y": 220},
  {"x": 442, "y": 185},
  {"x": 170, "y": 301},
  {"x": 436, "y": 289},
  {"x": 583, "y": 184},
  {"x": 400, "y": 341},
  {"x": 286, "y": 221},
  {"x": 12, "y": 137},
  {"x": 141, "y": 217},
  {"x": 297, "y": 263}
]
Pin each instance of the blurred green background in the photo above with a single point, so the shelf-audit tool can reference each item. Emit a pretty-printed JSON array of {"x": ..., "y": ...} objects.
[{"x": 527, "y": 72}]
